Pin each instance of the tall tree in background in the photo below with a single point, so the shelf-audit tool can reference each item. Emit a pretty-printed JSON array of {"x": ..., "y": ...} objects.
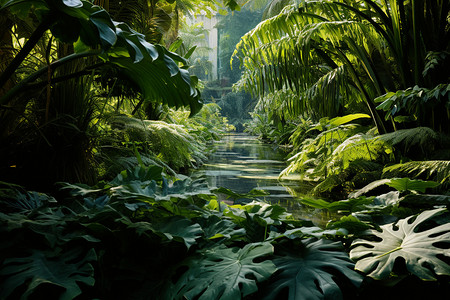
[{"x": 232, "y": 27}]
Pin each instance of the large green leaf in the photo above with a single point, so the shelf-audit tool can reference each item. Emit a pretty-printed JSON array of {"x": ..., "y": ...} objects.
[
  {"x": 406, "y": 184},
  {"x": 152, "y": 68},
  {"x": 60, "y": 270},
  {"x": 215, "y": 227},
  {"x": 310, "y": 272},
  {"x": 422, "y": 251},
  {"x": 254, "y": 193},
  {"x": 22, "y": 201},
  {"x": 223, "y": 273},
  {"x": 346, "y": 119},
  {"x": 263, "y": 213},
  {"x": 175, "y": 228},
  {"x": 313, "y": 231},
  {"x": 150, "y": 191},
  {"x": 348, "y": 205},
  {"x": 139, "y": 173}
]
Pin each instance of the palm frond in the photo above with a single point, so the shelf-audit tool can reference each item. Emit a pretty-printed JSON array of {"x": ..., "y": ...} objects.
[{"x": 283, "y": 53}]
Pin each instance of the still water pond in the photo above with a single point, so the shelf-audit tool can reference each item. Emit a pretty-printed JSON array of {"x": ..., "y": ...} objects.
[{"x": 241, "y": 163}]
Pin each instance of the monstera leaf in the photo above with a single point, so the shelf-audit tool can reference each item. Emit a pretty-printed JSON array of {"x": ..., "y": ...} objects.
[
  {"x": 61, "y": 271},
  {"x": 160, "y": 75},
  {"x": 422, "y": 250},
  {"x": 175, "y": 228},
  {"x": 223, "y": 273},
  {"x": 139, "y": 173},
  {"x": 151, "y": 191},
  {"x": 309, "y": 272}
]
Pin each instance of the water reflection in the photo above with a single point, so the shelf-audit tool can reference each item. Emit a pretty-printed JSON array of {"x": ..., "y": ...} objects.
[{"x": 242, "y": 163}]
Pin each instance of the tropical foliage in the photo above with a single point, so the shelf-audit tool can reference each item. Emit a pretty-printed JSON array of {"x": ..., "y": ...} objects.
[
  {"x": 78, "y": 68},
  {"x": 321, "y": 69},
  {"x": 101, "y": 122},
  {"x": 336, "y": 54},
  {"x": 421, "y": 250},
  {"x": 171, "y": 238},
  {"x": 157, "y": 236},
  {"x": 314, "y": 61}
]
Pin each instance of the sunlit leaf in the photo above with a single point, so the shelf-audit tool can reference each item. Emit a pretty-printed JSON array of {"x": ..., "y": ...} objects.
[
  {"x": 215, "y": 227},
  {"x": 425, "y": 252},
  {"x": 406, "y": 184}
]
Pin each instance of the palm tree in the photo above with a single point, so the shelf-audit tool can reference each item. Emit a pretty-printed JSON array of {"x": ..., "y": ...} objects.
[{"x": 335, "y": 53}]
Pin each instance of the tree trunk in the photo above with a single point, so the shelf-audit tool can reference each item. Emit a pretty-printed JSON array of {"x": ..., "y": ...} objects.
[{"x": 6, "y": 50}]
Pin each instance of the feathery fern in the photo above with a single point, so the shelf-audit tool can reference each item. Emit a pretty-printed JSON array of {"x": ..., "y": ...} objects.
[
  {"x": 418, "y": 140},
  {"x": 357, "y": 147},
  {"x": 437, "y": 170},
  {"x": 158, "y": 140},
  {"x": 314, "y": 154}
]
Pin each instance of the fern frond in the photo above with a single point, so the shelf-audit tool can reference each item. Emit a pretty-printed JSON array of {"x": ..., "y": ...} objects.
[
  {"x": 315, "y": 152},
  {"x": 420, "y": 138},
  {"x": 171, "y": 143},
  {"x": 328, "y": 184},
  {"x": 437, "y": 170},
  {"x": 357, "y": 147},
  {"x": 282, "y": 53}
]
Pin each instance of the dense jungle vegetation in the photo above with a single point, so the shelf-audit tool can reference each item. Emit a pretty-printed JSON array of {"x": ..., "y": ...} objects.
[{"x": 102, "y": 119}]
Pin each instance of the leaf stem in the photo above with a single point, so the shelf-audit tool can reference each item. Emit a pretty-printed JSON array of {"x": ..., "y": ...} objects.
[
  {"x": 23, "y": 53},
  {"x": 389, "y": 252},
  {"x": 18, "y": 87}
]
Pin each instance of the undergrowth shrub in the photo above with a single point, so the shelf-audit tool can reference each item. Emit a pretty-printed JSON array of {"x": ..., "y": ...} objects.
[{"x": 145, "y": 235}]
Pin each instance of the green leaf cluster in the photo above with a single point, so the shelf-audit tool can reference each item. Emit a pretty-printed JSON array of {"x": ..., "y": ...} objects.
[
  {"x": 397, "y": 234},
  {"x": 152, "y": 68},
  {"x": 165, "y": 237}
]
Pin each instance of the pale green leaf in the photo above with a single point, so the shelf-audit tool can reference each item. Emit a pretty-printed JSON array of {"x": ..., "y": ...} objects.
[
  {"x": 406, "y": 184},
  {"x": 421, "y": 250}
]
